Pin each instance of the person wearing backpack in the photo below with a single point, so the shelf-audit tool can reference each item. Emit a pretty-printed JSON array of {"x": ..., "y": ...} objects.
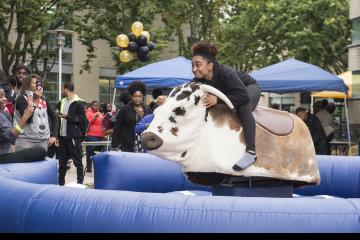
[{"x": 73, "y": 128}]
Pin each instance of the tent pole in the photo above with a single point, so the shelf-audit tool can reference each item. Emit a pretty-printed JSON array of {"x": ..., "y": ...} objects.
[
  {"x": 269, "y": 100},
  {"x": 312, "y": 105},
  {"x": 347, "y": 123},
  {"x": 113, "y": 104},
  {"x": 113, "y": 101}
]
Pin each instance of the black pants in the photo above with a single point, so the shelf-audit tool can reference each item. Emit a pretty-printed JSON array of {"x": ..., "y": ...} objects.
[
  {"x": 246, "y": 117},
  {"x": 70, "y": 148},
  {"x": 27, "y": 155}
]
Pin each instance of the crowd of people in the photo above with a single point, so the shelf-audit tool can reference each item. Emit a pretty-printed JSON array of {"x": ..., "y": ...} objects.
[
  {"x": 320, "y": 124},
  {"x": 32, "y": 128}
]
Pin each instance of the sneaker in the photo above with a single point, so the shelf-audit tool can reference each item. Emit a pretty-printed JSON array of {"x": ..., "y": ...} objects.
[{"x": 244, "y": 162}]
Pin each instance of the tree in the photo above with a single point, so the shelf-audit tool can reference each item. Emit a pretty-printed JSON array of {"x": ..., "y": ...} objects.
[
  {"x": 199, "y": 19},
  {"x": 29, "y": 21},
  {"x": 108, "y": 18},
  {"x": 260, "y": 33}
]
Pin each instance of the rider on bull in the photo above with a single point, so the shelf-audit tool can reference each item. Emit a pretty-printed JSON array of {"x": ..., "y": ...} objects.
[{"x": 241, "y": 89}]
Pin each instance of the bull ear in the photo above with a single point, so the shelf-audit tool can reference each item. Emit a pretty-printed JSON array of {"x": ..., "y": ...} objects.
[{"x": 217, "y": 93}]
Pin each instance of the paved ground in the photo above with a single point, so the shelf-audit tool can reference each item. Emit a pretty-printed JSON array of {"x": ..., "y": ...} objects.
[{"x": 71, "y": 175}]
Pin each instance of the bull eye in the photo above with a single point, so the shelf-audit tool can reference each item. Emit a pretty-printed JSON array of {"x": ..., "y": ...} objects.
[
  {"x": 183, "y": 95},
  {"x": 160, "y": 129},
  {"x": 172, "y": 119},
  {"x": 183, "y": 154},
  {"x": 197, "y": 99},
  {"x": 179, "y": 111},
  {"x": 174, "y": 131}
]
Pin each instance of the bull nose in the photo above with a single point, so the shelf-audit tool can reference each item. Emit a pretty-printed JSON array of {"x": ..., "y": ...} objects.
[{"x": 151, "y": 141}]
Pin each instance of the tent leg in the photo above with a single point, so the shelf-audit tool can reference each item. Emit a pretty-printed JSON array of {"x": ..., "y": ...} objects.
[
  {"x": 113, "y": 104},
  {"x": 113, "y": 101},
  {"x": 347, "y": 123},
  {"x": 312, "y": 105}
]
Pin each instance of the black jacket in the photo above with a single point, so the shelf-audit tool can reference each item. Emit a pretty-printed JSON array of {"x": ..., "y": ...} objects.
[
  {"x": 317, "y": 134},
  {"x": 232, "y": 83},
  {"x": 77, "y": 122},
  {"x": 124, "y": 130}
]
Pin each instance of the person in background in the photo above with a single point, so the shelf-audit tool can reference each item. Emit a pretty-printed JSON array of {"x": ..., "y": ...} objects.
[
  {"x": 316, "y": 130},
  {"x": 20, "y": 72},
  {"x": 123, "y": 136},
  {"x": 109, "y": 118},
  {"x": 326, "y": 120},
  {"x": 42, "y": 127},
  {"x": 155, "y": 94},
  {"x": 145, "y": 121},
  {"x": 95, "y": 132},
  {"x": 8, "y": 135},
  {"x": 73, "y": 129},
  {"x": 124, "y": 98}
]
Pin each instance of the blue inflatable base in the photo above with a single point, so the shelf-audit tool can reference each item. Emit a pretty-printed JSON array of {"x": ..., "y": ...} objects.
[{"x": 32, "y": 202}]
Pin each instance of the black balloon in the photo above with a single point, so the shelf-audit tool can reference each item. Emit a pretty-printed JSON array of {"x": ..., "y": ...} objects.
[
  {"x": 151, "y": 46},
  {"x": 141, "y": 40},
  {"x": 143, "y": 58},
  {"x": 132, "y": 37},
  {"x": 133, "y": 47},
  {"x": 143, "y": 50}
]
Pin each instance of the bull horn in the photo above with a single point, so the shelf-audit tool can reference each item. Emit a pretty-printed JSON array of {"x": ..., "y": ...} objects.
[{"x": 218, "y": 94}]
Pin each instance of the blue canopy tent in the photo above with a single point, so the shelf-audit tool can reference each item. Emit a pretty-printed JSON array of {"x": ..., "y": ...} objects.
[
  {"x": 169, "y": 73},
  {"x": 296, "y": 76}
]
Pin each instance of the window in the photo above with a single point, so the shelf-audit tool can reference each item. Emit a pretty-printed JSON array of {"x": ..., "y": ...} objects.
[
  {"x": 356, "y": 31},
  {"x": 106, "y": 91},
  {"x": 51, "y": 87},
  {"x": 285, "y": 103}
]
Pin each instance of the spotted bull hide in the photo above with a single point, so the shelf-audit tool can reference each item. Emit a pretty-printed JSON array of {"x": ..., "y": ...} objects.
[{"x": 212, "y": 141}]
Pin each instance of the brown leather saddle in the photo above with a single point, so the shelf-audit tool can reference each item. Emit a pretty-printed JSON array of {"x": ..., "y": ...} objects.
[{"x": 275, "y": 121}]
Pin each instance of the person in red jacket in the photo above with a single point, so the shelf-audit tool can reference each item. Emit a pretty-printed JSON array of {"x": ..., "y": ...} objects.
[{"x": 95, "y": 131}]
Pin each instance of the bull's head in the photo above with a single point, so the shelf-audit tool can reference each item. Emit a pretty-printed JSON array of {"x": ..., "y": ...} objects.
[{"x": 179, "y": 121}]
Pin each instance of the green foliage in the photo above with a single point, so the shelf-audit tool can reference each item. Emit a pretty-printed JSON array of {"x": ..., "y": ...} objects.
[
  {"x": 28, "y": 22},
  {"x": 199, "y": 18},
  {"x": 263, "y": 32},
  {"x": 108, "y": 18}
]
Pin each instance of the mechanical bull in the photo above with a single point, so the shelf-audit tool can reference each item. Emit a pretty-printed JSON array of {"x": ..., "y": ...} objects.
[{"x": 210, "y": 141}]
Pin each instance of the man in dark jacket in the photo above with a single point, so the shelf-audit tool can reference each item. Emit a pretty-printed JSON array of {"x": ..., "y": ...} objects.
[
  {"x": 316, "y": 130},
  {"x": 72, "y": 132}
]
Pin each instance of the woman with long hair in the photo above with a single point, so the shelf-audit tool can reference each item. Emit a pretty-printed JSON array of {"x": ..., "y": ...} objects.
[{"x": 41, "y": 129}]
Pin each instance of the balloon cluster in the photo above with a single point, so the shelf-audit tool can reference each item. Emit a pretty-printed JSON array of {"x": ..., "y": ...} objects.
[{"x": 137, "y": 43}]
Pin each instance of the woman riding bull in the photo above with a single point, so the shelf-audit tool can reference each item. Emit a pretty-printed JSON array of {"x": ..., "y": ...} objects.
[{"x": 241, "y": 89}]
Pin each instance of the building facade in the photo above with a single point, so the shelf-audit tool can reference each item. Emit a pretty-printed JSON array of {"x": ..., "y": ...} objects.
[{"x": 354, "y": 67}]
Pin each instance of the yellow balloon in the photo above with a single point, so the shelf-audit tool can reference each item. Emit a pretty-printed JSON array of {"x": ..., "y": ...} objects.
[
  {"x": 146, "y": 34},
  {"x": 122, "y": 40},
  {"x": 137, "y": 28},
  {"x": 126, "y": 56}
]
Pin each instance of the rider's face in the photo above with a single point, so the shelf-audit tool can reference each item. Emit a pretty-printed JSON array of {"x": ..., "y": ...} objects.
[{"x": 202, "y": 68}]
